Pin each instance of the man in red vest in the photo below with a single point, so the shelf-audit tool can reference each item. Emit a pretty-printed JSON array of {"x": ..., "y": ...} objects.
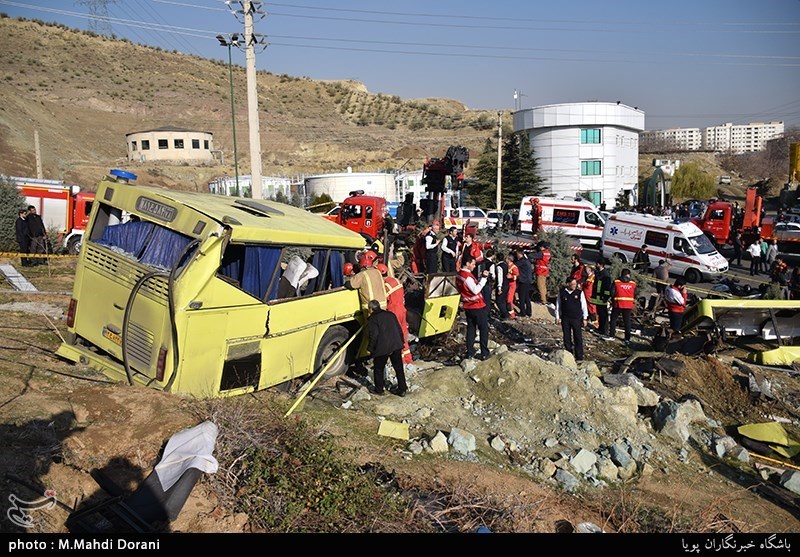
[
  {"x": 676, "y": 296},
  {"x": 395, "y": 302},
  {"x": 541, "y": 259},
  {"x": 623, "y": 297},
  {"x": 474, "y": 306}
]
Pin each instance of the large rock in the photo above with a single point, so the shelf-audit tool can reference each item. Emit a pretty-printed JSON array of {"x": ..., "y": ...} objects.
[
  {"x": 361, "y": 394},
  {"x": 583, "y": 461},
  {"x": 739, "y": 453},
  {"x": 626, "y": 472},
  {"x": 791, "y": 481},
  {"x": 462, "y": 441},
  {"x": 590, "y": 368},
  {"x": 644, "y": 396},
  {"x": 620, "y": 455},
  {"x": 606, "y": 469},
  {"x": 724, "y": 444},
  {"x": 502, "y": 349},
  {"x": 439, "y": 443},
  {"x": 498, "y": 444},
  {"x": 547, "y": 468},
  {"x": 672, "y": 418},
  {"x": 567, "y": 480},
  {"x": 564, "y": 358},
  {"x": 469, "y": 365}
]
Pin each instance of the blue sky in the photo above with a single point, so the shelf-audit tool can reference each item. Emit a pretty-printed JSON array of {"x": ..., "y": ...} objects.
[{"x": 685, "y": 63}]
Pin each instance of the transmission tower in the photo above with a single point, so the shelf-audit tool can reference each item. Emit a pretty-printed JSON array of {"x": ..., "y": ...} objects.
[{"x": 98, "y": 11}]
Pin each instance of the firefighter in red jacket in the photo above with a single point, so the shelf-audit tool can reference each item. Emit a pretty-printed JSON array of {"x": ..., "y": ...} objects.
[
  {"x": 676, "y": 296},
  {"x": 541, "y": 268},
  {"x": 623, "y": 298},
  {"x": 395, "y": 302},
  {"x": 477, "y": 313},
  {"x": 511, "y": 277}
]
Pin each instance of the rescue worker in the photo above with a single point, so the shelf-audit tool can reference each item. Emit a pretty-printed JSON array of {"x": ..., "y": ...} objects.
[
  {"x": 641, "y": 261},
  {"x": 511, "y": 277},
  {"x": 474, "y": 306},
  {"x": 571, "y": 312},
  {"x": 524, "y": 283},
  {"x": 587, "y": 287},
  {"x": 368, "y": 281},
  {"x": 383, "y": 332},
  {"x": 577, "y": 271},
  {"x": 432, "y": 249},
  {"x": 501, "y": 286},
  {"x": 396, "y": 303},
  {"x": 541, "y": 261},
  {"x": 601, "y": 294},
  {"x": 622, "y": 303},
  {"x": 676, "y": 297},
  {"x": 472, "y": 248},
  {"x": 450, "y": 251}
]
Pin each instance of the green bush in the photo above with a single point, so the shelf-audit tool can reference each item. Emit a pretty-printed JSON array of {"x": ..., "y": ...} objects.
[{"x": 11, "y": 201}]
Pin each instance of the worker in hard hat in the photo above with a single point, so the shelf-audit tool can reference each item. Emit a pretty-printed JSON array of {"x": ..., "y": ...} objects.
[
  {"x": 395, "y": 302},
  {"x": 368, "y": 281}
]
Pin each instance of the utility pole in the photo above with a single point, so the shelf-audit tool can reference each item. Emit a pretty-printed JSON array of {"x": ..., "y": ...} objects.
[
  {"x": 250, "y": 8},
  {"x": 38, "y": 154},
  {"x": 234, "y": 41},
  {"x": 499, "y": 160}
]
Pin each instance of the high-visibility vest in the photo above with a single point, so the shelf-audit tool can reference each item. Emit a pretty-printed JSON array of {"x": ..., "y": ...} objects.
[
  {"x": 543, "y": 264},
  {"x": 601, "y": 292},
  {"x": 513, "y": 273},
  {"x": 676, "y": 308},
  {"x": 470, "y": 300},
  {"x": 624, "y": 294},
  {"x": 588, "y": 288}
]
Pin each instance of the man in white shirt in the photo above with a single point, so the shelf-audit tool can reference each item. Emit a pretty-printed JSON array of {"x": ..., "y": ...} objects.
[
  {"x": 754, "y": 250},
  {"x": 432, "y": 249}
]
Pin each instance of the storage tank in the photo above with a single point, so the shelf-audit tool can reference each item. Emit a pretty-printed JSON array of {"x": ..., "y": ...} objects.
[{"x": 339, "y": 186}]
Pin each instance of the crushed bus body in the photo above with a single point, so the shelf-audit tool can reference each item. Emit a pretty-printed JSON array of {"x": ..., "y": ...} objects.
[
  {"x": 184, "y": 296},
  {"x": 770, "y": 328}
]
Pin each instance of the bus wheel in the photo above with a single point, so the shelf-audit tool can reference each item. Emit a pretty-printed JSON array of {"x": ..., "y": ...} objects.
[
  {"x": 74, "y": 245},
  {"x": 692, "y": 276},
  {"x": 332, "y": 340},
  {"x": 621, "y": 256}
]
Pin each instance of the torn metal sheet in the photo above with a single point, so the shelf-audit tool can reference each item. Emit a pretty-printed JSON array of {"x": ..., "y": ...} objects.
[
  {"x": 392, "y": 429},
  {"x": 774, "y": 435}
]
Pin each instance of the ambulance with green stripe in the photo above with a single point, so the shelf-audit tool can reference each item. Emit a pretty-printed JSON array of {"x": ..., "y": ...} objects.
[{"x": 688, "y": 250}]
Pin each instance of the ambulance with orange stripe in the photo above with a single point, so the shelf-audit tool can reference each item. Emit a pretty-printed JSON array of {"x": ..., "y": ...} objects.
[
  {"x": 578, "y": 218},
  {"x": 688, "y": 250}
]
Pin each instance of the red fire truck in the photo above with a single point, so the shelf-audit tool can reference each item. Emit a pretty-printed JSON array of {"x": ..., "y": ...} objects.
[
  {"x": 63, "y": 208},
  {"x": 361, "y": 213},
  {"x": 720, "y": 221}
]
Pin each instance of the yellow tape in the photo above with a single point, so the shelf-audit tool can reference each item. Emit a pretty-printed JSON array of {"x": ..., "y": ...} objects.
[{"x": 36, "y": 255}]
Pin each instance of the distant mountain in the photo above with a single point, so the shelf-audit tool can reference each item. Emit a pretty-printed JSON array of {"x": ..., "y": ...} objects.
[{"x": 83, "y": 92}]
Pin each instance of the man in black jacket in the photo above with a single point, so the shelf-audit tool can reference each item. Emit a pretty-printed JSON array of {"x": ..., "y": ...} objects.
[
  {"x": 641, "y": 261},
  {"x": 23, "y": 238},
  {"x": 524, "y": 283},
  {"x": 600, "y": 296},
  {"x": 37, "y": 233},
  {"x": 385, "y": 342}
]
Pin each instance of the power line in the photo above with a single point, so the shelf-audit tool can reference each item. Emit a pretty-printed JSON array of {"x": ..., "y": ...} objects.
[{"x": 148, "y": 7}]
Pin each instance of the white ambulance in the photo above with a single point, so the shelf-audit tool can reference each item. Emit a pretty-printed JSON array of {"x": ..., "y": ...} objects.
[
  {"x": 578, "y": 218},
  {"x": 688, "y": 250}
]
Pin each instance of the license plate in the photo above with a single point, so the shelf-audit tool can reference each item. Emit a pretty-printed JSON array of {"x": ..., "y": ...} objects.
[{"x": 112, "y": 336}]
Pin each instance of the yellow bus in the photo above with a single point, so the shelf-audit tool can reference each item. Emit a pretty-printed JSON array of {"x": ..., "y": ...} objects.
[{"x": 183, "y": 294}]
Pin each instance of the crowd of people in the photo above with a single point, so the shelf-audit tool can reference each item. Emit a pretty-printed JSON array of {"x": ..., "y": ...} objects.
[{"x": 31, "y": 236}]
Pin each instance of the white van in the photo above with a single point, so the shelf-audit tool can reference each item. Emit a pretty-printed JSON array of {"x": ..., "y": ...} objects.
[
  {"x": 459, "y": 216},
  {"x": 688, "y": 250},
  {"x": 575, "y": 217}
]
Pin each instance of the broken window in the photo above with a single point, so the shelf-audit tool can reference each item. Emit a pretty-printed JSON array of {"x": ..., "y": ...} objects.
[{"x": 145, "y": 242}]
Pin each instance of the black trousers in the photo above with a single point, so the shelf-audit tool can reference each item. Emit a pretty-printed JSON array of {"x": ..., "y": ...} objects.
[
  {"x": 573, "y": 336},
  {"x": 487, "y": 296},
  {"x": 477, "y": 319},
  {"x": 379, "y": 370},
  {"x": 524, "y": 293},
  {"x": 431, "y": 261},
  {"x": 602, "y": 318},
  {"x": 755, "y": 264},
  {"x": 448, "y": 263},
  {"x": 24, "y": 247},
  {"x": 737, "y": 255},
  {"x": 676, "y": 321},
  {"x": 502, "y": 302},
  {"x": 626, "y": 321}
]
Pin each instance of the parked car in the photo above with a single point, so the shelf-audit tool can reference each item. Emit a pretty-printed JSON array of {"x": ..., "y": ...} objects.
[{"x": 494, "y": 219}]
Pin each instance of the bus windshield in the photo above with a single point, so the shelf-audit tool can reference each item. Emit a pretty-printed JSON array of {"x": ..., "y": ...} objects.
[{"x": 701, "y": 244}]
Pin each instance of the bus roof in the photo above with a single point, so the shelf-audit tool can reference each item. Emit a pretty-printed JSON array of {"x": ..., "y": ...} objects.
[{"x": 255, "y": 220}]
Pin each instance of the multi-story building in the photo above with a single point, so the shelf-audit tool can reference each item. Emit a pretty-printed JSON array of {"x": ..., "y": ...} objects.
[
  {"x": 744, "y": 138},
  {"x": 588, "y": 149},
  {"x": 684, "y": 139}
]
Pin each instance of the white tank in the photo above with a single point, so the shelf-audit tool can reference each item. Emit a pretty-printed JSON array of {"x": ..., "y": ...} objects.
[{"x": 339, "y": 186}]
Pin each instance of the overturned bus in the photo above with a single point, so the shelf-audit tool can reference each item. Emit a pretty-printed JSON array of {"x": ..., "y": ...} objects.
[{"x": 183, "y": 293}]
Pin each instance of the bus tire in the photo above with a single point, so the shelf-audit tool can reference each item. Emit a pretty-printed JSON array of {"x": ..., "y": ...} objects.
[
  {"x": 331, "y": 341},
  {"x": 74, "y": 245},
  {"x": 621, "y": 256},
  {"x": 692, "y": 276}
]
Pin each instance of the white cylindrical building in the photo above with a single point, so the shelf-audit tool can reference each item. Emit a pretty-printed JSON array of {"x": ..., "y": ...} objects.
[
  {"x": 339, "y": 186},
  {"x": 589, "y": 149}
]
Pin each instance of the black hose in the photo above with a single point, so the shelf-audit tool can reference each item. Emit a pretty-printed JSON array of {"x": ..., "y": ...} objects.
[{"x": 126, "y": 317}]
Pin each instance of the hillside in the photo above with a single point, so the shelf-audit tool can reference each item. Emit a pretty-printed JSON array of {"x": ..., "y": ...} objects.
[{"x": 84, "y": 92}]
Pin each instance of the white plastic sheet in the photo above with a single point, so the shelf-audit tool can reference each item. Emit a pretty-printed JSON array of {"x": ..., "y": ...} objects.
[{"x": 190, "y": 448}]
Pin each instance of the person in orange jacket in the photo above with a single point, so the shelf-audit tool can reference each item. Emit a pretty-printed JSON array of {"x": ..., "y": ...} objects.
[
  {"x": 622, "y": 303},
  {"x": 395, "y": 302},
  {"x": 511, "y": 276}
]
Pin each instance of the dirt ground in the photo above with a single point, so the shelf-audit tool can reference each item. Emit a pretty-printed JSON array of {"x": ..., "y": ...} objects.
[{"x": 59, "y": 422}]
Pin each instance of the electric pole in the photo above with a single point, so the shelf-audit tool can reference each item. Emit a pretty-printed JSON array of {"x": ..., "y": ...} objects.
[
  {"x": 499, "y": 160},
  {"x": 39, "y": 173}
]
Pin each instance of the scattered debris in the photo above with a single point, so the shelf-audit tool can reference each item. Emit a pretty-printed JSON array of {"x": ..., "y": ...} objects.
[
  {"x": 583, "y": 461},
  {"x": 396, "y": 430}
]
